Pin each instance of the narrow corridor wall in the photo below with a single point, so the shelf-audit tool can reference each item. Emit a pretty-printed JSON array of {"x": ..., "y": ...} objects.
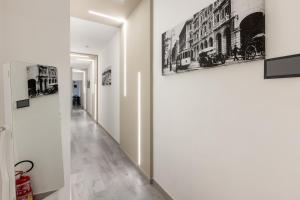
[
  {"x": 109, "y": 96},
  {"x": 90, "y": 86},
  {"x": 38, "y": 32},
  {"x": 226, "y": 133},
  {"x": 1, "y": 61},
  {"x": 138, "y": 60}
]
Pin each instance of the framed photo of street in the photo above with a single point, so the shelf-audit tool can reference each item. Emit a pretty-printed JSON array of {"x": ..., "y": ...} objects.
[
  {"x": 282, "y": 67},
  {"x": 222, "y": 33}
]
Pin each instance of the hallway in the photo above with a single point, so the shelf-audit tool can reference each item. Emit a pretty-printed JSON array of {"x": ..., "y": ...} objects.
[{"x": 99, "y": 169}]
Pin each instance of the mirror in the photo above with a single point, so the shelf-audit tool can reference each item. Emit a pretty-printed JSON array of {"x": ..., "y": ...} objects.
[{"x": 36, "y": 124}]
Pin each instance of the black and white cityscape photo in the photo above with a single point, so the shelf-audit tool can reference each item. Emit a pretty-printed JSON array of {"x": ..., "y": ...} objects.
[
  {"x": 224, "y": 33},
  {"x": 42, "y": 80},
  {"x": 106, "y": 77}
]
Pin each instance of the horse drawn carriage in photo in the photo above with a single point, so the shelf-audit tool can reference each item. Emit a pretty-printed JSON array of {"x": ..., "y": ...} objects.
[{"x": 253, "y": 47}]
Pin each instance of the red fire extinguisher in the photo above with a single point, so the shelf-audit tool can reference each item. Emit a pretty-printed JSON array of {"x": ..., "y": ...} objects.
[{"x": 23, "y": 186}]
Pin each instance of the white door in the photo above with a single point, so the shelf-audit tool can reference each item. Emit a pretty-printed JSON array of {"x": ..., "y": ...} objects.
[
  {"x": 4, "y": 179},
  {"x": 7, "y": 185},
  {"x": 7, "y": 174}
]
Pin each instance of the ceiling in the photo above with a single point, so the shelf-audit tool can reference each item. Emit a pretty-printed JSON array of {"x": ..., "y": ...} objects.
[
  {"x": 79, "y": 64},
  {"x": 89, "y": 37},
  {"x": 82, "y": 61},
  {"x": 90, "y": 33},
  {"x": 115, "y": 8}
]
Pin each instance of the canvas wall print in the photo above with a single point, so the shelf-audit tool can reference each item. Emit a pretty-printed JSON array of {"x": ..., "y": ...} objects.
[
  {"x": 42, "y": 80},
  {"x": 224, "y": 33},
  {"x": 106, "y": 77}
]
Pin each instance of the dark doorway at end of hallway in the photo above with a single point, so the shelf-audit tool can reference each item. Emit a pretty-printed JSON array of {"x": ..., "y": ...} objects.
[{"x": 77, "y": 94}]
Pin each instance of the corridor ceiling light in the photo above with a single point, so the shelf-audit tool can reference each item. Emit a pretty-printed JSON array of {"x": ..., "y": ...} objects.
[
  {"x": 117, "y": 19},
  {"x": 77, "y": 71},
  {"x": 79, "y": 55},
  {"x": 85, "y": 60}
]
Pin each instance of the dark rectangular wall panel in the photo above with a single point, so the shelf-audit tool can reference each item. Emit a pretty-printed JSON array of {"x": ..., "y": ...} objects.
[{"x": 282, "y": 67}]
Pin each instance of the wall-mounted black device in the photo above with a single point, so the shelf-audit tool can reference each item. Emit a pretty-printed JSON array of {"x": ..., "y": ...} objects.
[{"x": 23, "y": 103}]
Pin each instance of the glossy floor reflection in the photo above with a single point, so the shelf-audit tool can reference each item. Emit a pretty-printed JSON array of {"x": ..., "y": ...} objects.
[{"x": 100, "y": 170}]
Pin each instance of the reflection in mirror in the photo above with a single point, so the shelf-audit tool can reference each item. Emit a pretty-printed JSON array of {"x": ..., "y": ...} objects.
[{"x": 36, "y": 125}]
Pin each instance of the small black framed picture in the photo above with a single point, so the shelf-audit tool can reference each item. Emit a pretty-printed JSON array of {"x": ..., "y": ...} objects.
[{"x": 282, "y": 67}]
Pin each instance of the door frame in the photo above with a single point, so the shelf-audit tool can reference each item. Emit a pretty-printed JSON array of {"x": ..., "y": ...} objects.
[
  {"x": 8, "y": 125},
  {"x": 96, "y": 81}
]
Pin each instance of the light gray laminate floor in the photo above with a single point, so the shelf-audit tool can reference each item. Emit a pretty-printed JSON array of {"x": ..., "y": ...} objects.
[{"x": 100, "y": 170}]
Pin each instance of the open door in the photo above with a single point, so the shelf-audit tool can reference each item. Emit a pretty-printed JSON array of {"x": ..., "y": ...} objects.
[
  {"x": 7, "y": 188},
  {"x": 7, "y": 175},
  {"x": 32, "y": 113}
]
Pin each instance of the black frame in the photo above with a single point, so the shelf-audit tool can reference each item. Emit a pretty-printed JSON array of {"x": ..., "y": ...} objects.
[{"x": 280, "y": 76}]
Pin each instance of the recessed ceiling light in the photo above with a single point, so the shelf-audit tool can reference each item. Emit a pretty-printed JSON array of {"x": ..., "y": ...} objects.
[
  {"x": 78, "y": 55},
  {"x": 119, "y": 1},
  {"x": 85, "y": 60},
  {"x": 117, "y": 19},
  {"x": 77, "y": 70}
]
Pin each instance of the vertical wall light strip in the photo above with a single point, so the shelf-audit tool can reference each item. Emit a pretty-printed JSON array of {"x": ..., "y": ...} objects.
[
  {"x": 84, "y": 91},
  {"x": 139, "y": 118},
  {"x": 95, "y": 103},
  {"x": 125, "y": 58},
  {"x": 95, "y": 88}
]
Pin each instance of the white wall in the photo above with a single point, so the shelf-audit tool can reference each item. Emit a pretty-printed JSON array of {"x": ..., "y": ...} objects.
[
  {"x": 1, "y": 62},
  {"x": 109, "y": 96},
  {"x": 90, "y": 76},
  {"x": 89, "y": 99},
  {"x": 77, "y": 76},
  {"x": 226, "y": 133},
  {"x": 138, "y": 60},
  {"x": 33, "y": 32}
]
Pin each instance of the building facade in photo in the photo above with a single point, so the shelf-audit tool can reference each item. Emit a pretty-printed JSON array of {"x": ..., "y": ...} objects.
[
  {"x": 223, "y": 33},
  {"x": 42, "y": 80}
]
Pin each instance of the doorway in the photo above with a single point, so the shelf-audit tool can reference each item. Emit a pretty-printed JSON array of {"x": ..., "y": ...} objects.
[
  {"x": 227, "y": 34},
  {"x": 85, "y": 83},
  {"x": 219, "y": 42},
  {"x": 251, "y": 26},
  {"x": 77, "y": 94}
]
